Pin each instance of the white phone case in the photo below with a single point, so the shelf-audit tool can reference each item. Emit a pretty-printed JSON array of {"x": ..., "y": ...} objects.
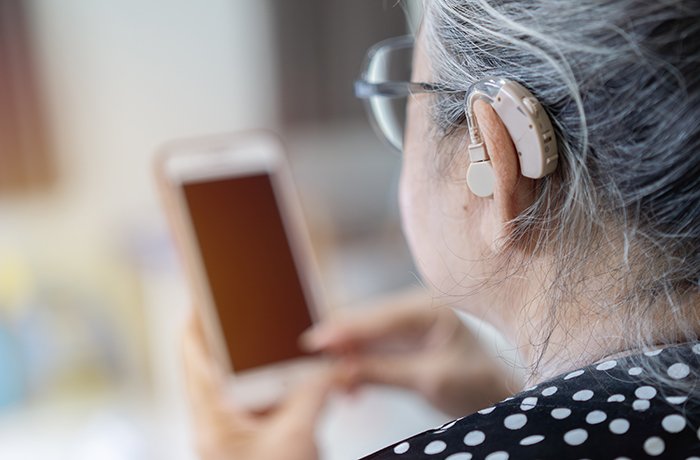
[{"x": 228, "y": 156}]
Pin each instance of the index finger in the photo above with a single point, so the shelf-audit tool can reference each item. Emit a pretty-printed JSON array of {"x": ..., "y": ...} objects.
[{"x": 404, "y": 317}]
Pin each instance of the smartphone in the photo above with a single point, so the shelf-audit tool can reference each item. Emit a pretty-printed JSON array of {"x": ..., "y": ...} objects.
[{"x": 238, "y": 225}]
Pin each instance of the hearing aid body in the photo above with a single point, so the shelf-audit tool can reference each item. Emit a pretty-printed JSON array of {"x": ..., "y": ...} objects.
[{"x": 528, "y": 125}]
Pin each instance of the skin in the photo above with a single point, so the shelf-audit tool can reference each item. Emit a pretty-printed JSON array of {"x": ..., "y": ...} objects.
[{"x": 403, "y": 341}]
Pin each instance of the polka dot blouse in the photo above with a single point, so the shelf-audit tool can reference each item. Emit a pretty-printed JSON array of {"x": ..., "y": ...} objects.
[{"x": 634, "y": 407}]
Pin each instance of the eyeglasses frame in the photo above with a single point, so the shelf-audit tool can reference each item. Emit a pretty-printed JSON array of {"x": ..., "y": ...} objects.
[{"x": 391, "y": 89}]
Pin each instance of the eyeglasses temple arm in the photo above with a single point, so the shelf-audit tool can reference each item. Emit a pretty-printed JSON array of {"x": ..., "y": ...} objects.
[{"x": 394, "y": 89}]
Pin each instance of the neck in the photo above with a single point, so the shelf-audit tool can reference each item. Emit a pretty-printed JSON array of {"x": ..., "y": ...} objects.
[
  {"x": 555, "y": 339},
  {"x": 571, "y": 343}
]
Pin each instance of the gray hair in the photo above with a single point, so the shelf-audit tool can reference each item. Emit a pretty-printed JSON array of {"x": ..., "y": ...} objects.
[{"x": 621, "y": 82}]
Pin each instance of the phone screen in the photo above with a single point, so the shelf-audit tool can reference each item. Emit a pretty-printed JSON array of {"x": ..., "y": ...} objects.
[{"x": 251, "y": 272}]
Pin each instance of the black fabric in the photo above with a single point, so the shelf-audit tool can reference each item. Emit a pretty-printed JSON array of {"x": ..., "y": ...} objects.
[{"x": 639, "y": 406}]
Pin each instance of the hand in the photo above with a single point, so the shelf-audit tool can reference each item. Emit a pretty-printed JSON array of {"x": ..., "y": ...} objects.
[
  {"x": 226, "y": 433},
  {"x": 409, "y": 344}
]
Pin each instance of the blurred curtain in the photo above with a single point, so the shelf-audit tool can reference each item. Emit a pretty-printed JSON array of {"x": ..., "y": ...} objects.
[
  {"x": 24, "y": 157},
  {"x": 321, "y": 46}
]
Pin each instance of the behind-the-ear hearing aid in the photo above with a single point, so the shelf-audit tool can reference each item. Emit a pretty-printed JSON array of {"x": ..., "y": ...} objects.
[{"x": 528, "y": 126}]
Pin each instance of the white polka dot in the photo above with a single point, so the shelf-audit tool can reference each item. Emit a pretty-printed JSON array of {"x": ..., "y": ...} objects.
[
  {"x": 619, "y": 426},
  {"x": 549, "y": 391},
  {"x": 596, "y": 416},
  {"x": 474, "y": 438},
  {"x": 573, "y": 374},
  {"x": 500, "y": 455},
  {"x": 673, "y": 423},
  {"x": 446, "y": 426},
  {"x": 486, "y": 411},
  {"x": 693, "y": 458},
  {"x": 435, "y": 447},
  {"x": 460, "y": 456},
  {"x": 530, "y": 440},
  {"x": 528, "y": 403},
  {"x": 616, "y": 398},
  {"x": 653, "y": 352},
  {"x": 654, "y": 446},
  {"x": 698, "y": 433},
  {"x": 678, "y": 371},
  {"x": 640, "y": 405},
  {"x": 576, "y": 437},
  {"x": 645, "y": 392},
  {"x": 607, "y": 365},
  {"x": 634, "y": 371},
  {"x": 561, "y": 413},
  {"x": 534, "y": 387},
  {"x": 676, "y": 399},
  {"x": 515, "y": 421},
  {"x": 622, "y": 458},
  {"x": 583, "y": 395},
  {"x": 402, "y": 448},
  {"x": 696, "y": 349}
]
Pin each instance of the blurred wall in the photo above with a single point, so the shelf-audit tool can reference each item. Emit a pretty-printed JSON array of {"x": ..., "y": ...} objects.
[
  {"x": 321, "y": 45},
  {"x": 121, "y": 77},
  {"x": 116, "y": 79}
]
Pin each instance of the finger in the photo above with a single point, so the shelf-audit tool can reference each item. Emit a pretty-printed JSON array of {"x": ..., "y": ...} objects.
[
  {"x": 291, "y": 432},
  {"x": 396, "y": 370},
  {"x": 398, "y": 319},
  {"x": 302, "y": 407}
]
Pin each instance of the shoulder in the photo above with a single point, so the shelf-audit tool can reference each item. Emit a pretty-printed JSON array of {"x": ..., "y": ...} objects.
[{"x": 608, "y": 410}]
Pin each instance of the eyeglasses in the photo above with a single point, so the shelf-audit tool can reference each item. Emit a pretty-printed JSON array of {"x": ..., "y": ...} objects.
[{"x": 385, "y": 85}]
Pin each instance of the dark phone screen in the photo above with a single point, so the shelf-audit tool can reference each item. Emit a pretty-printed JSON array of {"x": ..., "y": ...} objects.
[{"x": 248, "y": 261}]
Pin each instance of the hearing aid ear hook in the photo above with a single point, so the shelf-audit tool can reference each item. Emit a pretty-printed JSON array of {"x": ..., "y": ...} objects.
[{"x": 529, "y": 128}]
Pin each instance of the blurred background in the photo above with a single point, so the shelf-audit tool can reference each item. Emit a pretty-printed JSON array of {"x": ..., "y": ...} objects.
[{"x": 91, "y": 291}]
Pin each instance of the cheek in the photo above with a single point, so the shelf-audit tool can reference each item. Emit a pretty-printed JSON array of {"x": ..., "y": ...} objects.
[
  {"x": 416, "y": 187},
  {"x": 425, "y": 217},
  {"x": 440, "y": 222},
  {"x": 429, "y": 233},
  {"x": 412, "y": 209}
]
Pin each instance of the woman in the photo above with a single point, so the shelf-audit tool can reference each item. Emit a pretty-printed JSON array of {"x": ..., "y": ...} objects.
[{"x": 592, "y": 271}]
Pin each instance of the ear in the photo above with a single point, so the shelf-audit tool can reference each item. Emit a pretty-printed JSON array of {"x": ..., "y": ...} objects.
[{"x": 513, "y": 192}]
